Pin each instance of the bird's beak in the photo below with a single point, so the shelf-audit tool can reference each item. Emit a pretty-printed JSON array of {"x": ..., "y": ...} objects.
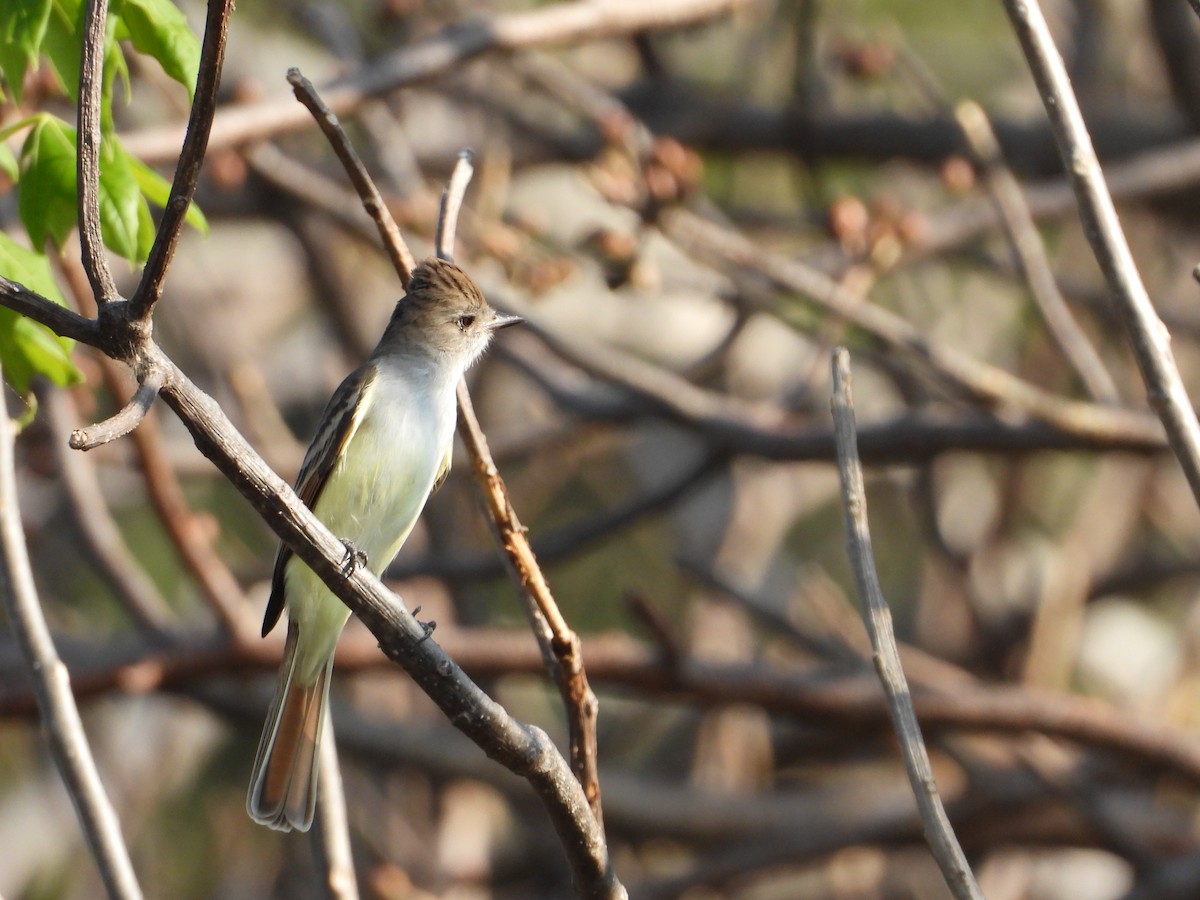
[{"x": 503, "y": 322}]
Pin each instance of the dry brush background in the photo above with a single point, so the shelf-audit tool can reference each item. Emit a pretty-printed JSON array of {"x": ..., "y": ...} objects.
[{"x": 691, "y": 219}]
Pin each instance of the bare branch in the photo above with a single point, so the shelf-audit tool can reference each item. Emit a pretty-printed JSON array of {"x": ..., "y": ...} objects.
[
  {"x": 372, "y": 201},
  {"x": 988, "y": 383},
  {"x": 938, "y": 832},
  {"x": 1030, "y": 251},
  {"x": 563, "y": 646},
  {"x": 1150, "y": 339},
  {"x": 331, "y": 837},
  {"x": 452, "y": 198},
  {"x": 64, "y": 730},
  {"x": 191, "y": 157},
  {"x": 124, "y": 421},
  {"x": 57, "y": 318},
  {"x": 87, "y": 156}
]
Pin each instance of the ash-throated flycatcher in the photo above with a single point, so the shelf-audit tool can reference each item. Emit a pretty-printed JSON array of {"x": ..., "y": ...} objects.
[{"x": 383, "y": 445}]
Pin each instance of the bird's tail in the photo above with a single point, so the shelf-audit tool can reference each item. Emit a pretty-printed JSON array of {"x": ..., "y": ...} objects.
[{"x": 283, "y": 790}]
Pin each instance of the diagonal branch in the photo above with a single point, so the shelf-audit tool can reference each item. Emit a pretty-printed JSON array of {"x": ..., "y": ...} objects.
[
  {"x": 451, "y": 47},
  {"x": 938, "y": 832},
  {"x": 372, "y": 201},
  {"x": 523, "y": 749},
  {"x": 191, "y": 157},
  {"x": 124, "y": 421},
  {"x": 1148, "y": 336}
]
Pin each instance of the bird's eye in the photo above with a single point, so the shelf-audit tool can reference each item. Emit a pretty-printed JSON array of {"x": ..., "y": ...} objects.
[{"x": 465, "y": 322}]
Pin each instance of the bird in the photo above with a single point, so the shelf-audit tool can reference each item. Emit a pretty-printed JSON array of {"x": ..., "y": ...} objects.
[{"x": 383, "y": 445}]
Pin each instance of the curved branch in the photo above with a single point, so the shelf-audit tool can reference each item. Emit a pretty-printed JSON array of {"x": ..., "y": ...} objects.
[{"x": 124, "y": 421}]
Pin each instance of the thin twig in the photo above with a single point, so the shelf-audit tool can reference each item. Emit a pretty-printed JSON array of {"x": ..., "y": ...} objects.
[
  {"x": 1030, "y": 251},
  {"x": 331, "y": 837},
  {"x": 191, "y": 157},
  {"x": 372, "y": 201},
  {"x": 87, "y": 156},
  {"x": 1150, "y": 339},
  {"x": 559, "y": 642},
  {"x": 570, "y": 676},
  {"x": 64, "y": 729},
  {"x": 124, "y": 421},
  {"x": 938, "y": 832},
  {"x": 989, "y": 384},
  {"x": 452, "y": 199}
]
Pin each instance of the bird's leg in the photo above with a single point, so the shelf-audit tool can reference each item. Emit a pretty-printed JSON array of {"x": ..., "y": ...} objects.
[{"x": 353, "y": 560}]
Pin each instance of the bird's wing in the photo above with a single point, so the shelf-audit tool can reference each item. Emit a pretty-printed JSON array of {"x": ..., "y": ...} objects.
[
  {"x": 343, "y": 414},
  {"x": 443, "y": 471}
]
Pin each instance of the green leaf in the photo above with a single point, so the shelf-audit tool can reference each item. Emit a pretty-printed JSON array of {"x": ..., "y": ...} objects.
[
  {"x": 157, "y": 28},
  {"x": 61, "y": 42},
  {"x": 46, "y": 195},
  {"x": 28, "y": 348},
  {"x": 119, "y": 202},
  {"x": 46, "y": 198},
  {"x": 158, "y": 190},
  {"x": 22, "y": 30},
  {"x": 8, "y": 162}
]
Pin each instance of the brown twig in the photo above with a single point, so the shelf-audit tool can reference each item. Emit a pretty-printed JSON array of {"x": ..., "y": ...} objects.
[
  {"x": 451, "y": 205},
  {"x": 191, "y": 157},
  {"x": 372, "y": 201},
  {"x": 123, "y": 422},
  {"x": 987, "y": 383},
  {"x": 1148, "y": 336},
  {"x": 938, "y": 832},
  {"x": 87, "y": 155},
  {"x": 64, "y": 729},
  {"x": 1031, "y": 254},
  {"x": 569, "y": 674}
]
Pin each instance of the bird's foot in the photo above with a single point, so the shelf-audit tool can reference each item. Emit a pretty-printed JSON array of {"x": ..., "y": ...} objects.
[
  {"x": 354, "y": 559},
  {"x": 427, "y": 627}
]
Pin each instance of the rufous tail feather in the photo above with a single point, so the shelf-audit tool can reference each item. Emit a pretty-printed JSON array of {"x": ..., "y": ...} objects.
[{"x": 283, "y": 791}]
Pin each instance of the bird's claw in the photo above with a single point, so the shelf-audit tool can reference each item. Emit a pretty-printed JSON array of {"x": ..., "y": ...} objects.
[{"x": 353, "y": 560}]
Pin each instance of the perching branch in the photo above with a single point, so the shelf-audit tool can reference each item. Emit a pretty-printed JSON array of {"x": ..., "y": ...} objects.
[
  {"x": 938, "y": 832},
  {"x": 64, "y": 730}
]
